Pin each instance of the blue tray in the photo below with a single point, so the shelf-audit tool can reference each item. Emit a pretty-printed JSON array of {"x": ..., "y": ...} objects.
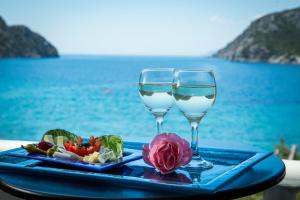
[
  {"x": 228, "y": 164},
  {"x": 128, "y": 156}
]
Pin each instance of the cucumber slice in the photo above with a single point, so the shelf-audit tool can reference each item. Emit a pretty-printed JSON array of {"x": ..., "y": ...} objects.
[
  {"x": 60, "y": 141},
  {"x": 67, "y": 136},
  {"x": 48, "y": 138}
]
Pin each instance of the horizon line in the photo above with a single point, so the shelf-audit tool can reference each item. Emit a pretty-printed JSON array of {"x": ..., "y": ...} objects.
[{"x": 142, "y": 55}]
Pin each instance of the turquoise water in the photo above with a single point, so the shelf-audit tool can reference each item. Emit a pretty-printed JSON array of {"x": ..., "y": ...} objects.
[{"x": 93, "y": 95}]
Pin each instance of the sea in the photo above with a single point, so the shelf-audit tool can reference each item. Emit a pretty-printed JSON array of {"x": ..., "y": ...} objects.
[{"x": 256, "y": 103}]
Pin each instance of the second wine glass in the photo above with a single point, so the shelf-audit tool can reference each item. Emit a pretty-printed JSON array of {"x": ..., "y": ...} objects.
[
  {"x": 155, "y": 89},
  {"x": 195, "y": 92}
]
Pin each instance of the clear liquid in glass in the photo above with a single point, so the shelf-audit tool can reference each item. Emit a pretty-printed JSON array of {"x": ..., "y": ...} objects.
[
  {"x": 157, "y": 97},
  {"x": 194, "y": 100}
]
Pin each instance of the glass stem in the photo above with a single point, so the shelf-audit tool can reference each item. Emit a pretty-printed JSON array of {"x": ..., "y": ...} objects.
[
  {"x": 159, "y": 124},
  {"x": 194, "y": 143}
]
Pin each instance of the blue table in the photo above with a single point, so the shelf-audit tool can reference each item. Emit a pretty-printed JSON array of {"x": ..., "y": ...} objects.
[{"x": 263, "y": 175}]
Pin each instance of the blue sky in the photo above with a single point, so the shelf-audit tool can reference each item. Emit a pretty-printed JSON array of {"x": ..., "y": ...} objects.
[{"x": 153, "y": 27}]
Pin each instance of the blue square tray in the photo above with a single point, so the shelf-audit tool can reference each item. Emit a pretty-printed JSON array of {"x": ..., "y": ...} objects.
[{"x": 228, "y": 164}]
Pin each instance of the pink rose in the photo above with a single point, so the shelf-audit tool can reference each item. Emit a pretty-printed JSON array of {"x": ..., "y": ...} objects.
[{"x": 167, "y": 152}]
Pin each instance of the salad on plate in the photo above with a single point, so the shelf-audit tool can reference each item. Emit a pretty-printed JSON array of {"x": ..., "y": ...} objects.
[{"x": 62, "y": 144}]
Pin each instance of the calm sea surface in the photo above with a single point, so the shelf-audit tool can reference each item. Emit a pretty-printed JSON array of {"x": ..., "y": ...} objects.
[{"x": 93, "y": 95}]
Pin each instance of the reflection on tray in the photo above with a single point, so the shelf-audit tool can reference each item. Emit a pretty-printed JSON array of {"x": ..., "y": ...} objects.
[
  {"x": 142, "y": 171},
  {"x": 178, "y": 177}
]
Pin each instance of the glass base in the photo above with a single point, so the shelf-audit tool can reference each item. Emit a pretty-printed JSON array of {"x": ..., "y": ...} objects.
[
  {"x": 195, "y": 168},
  {"x": 198, "y": 163}
]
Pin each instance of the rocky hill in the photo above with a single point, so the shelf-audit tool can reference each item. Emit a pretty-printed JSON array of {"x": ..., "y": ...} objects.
[
  {"x": 20, "y": 41},
  {"x": 274, "y": 38}
]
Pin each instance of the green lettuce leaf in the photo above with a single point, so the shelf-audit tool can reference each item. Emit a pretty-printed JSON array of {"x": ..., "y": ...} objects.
[{"x": 113, "y": 142}]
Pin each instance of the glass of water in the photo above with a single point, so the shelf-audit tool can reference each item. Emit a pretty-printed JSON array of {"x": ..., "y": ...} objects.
[
  {"x": 194, "y": 92},
  {"x": 155, "y": 89}
]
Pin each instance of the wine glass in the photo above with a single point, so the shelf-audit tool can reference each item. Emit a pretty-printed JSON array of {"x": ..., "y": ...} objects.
[
  {"x": 194, "y": 92},
  {"x": 155, "y": 89}
]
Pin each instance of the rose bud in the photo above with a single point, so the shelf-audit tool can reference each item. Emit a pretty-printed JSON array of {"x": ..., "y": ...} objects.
[{"x": 167, "y": 152}]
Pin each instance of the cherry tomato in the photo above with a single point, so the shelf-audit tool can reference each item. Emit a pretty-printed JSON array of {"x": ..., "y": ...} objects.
[
  {"x": 97, "y": 145},
  {"x": 92, "y": 140},
  {"x": 91, "y": 149},
  {"x": 82, "y": 150},
  {"x": 79, "y": 140}
]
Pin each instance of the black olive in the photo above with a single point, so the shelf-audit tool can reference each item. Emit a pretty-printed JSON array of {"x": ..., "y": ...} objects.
[{"x": 84, "y": 145}]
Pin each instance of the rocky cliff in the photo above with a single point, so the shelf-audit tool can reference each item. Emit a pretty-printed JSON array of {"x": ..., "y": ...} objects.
[
  {"x": 20, "y": 41},
  {"x": 274, "y": 38}
]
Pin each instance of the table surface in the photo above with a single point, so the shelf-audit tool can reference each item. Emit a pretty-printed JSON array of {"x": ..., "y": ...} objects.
[{"x": 263, "y": 175}]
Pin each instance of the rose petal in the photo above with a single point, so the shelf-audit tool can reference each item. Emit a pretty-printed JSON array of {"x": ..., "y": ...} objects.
[
  {"x": 158, "y": 138},
  {"x": 187, "y": 157},
  {"x": 146, "y": 154},
  {"x": 163, "y": 171},
  {"x": 170, "y": 163}
]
